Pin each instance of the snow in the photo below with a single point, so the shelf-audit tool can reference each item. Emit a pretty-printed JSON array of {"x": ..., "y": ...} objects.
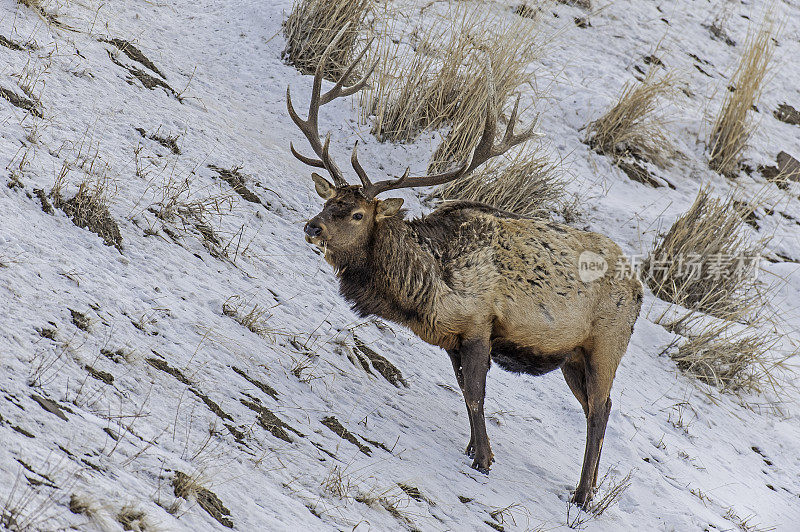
[{"x": 695, "y": 457}]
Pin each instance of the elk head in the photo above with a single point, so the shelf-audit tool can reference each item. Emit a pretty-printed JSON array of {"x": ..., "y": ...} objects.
[{"x": 351, "y": 212}]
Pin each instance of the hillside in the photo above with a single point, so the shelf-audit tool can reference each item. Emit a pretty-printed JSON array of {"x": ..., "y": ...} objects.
[{"x": 190, "y": 365}]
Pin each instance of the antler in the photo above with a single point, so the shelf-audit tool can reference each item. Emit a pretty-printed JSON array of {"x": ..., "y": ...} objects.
[
  {"x": 485, "y": 150},
  {"x": 310, "y": 126}
]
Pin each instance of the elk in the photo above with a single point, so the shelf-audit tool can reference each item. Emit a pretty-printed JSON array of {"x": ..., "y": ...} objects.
[{"x": 481, "y": 283}]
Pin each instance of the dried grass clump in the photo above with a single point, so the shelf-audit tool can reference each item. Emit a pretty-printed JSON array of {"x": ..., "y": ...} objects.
[
  {"x": 733, "y": 128},
  {"x": 530, "y": 184},
  {"x": 89, "y": 209},
  {"x": 443, "y": 81},
  {"x": 710, "y": 234},
  {"x": 254, "y": 317},
  {"x": 312, "y": 26},
  {"x": 635, "y": 125},
  {"x": 733, "y": 361},
  {"x": 188, "y": 487}
]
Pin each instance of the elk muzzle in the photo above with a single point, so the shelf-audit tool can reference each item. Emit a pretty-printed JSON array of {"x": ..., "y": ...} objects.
[{"x": 314, "y": 231}]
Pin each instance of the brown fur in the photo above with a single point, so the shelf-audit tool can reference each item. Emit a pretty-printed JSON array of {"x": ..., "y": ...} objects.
[{"x": 484, "y": 283}]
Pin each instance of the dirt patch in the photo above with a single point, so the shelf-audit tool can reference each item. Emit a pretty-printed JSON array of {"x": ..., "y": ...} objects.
[
  {"x": 170, "y": 142},
  {"x": 80, "y": 320},
  {"x": 788, "y": 166},
  {"x": 162, "y": 365},
  {"x": 88, "y": 210},
  {"x": 637, "y": 172},
  {"x": 787, "y": 169},
  {"x": 719, "y": 34},
  {"x": 51, "y": 406},
  {"x": 787, "y": 113},
  {"x": 583, "y": 4},
  {"x": 237, "y": 434},
  {"x": 185, "y": 487},
  {"x": 16, "y": 45},
  {"x": 266, "y": 388},
  {"x": 42, "y": 478},
  {"x": 236, "y": 181},
  {"x": 381, "y": 364},
  {"x": 46, "y": 206},
  {"x": 214, "y": 407},
  {"x": 26, "y": 104},
  {"x": 269, "y": 421},
  {"x": 414, "y": 493},
  {"x": 332, "y": 423},
  {"x": 148, "y": 81},
  {"x": 134, "y": 53},
  {"x": 100, "y": 375}
]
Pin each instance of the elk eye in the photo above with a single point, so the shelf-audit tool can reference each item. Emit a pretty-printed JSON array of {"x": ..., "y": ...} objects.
[{"x": 357, "y": 216}]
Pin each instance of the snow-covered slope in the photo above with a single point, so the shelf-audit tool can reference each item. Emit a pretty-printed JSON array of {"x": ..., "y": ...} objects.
[{"x": 125, "y": 370}]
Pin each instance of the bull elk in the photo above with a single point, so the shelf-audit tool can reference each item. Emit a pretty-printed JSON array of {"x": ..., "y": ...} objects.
[{"x": 481, "y": 283}]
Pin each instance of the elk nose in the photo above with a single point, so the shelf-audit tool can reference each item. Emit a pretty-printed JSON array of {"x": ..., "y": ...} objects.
[{"x": 312, "y": 229}]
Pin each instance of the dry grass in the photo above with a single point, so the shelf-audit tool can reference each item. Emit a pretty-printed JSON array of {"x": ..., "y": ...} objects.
[
  {"x": 530, "y": 184},
  {"x": 337, "y": 483},
  {"x": 88, "y": 208},
  {"x": 189, "y": 487},
  {"x": 731, "y": 337},
  {"x": 705, "y": 262},
  {"x": 722, "y": 355},
  {"x": 311, "y": 27},
  {"x": 733, "y": 126},
  {"x": 635, "y": 125},
  {"x": 609, "y": 492},
  {"x": 254, "y": 317},
  {"x": 442, "y": 82}
]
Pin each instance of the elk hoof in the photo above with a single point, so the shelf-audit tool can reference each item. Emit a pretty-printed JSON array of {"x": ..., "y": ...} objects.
[
  {"x": 582, "y": 498},
  {"x": 479, "y": 468},
  {"x": 470, "y": 450},
  {"x": 483, "y": 462}
]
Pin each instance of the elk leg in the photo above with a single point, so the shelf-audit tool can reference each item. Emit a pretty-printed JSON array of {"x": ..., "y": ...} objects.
[
  {"x": 598, "y": 381},
  {"x": 475, "y": 361},
  {"x": 575, "y": 376},
  {"x": 455, "y": 358}
]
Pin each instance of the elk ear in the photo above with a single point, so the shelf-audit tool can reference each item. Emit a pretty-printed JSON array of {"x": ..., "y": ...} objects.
[
  {"x": 324, "y": 188},
  {"x": 387, "y": 208}
]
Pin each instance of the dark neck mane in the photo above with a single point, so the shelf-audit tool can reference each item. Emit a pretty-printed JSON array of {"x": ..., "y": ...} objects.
[{"x": 396, "y": 276}]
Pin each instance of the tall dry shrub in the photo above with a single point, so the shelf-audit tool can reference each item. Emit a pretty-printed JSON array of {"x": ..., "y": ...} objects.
[
  {"x": 635, "y": 124},
  {"x": 442, "y": 82},
  {"x": 706, "y": 262},
  {"x": 312, "y": 26},
  {"x": 530, "y": 184},
  {"x": 733, "y": 126}
]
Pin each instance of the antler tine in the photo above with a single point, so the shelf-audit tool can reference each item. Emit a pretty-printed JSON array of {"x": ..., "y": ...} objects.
[
  {"x": 484, "y": 150},
  {"x": 339, "y": 89},
  {"x": 362, "y": 174},
  {"x": 310, "y": 126},
  {"x": 316, "y": 163}
]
